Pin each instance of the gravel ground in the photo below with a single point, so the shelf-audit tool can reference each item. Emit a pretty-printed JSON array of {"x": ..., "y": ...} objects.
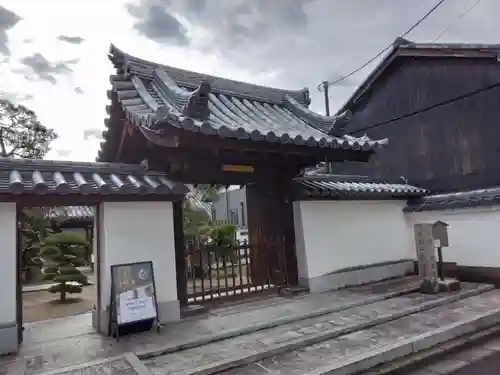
[{"x": 43, "y": 305}]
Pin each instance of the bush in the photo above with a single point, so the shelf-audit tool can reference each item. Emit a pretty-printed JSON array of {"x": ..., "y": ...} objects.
[{"x": 223, "y": 235}]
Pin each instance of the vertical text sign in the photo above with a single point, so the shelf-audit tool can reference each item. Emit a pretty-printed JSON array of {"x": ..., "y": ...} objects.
[{"x": 426, "y": 253}]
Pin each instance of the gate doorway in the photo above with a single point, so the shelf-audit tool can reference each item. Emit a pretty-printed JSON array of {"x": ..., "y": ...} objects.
[
  {"x": 219, "y": 263},
  {"x": 109, "y": 188},
  {"x": 49, "y": 298}
]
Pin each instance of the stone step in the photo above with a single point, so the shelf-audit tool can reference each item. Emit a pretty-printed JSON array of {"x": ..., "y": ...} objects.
[
  {"x": 456, "y": 347},
  {"x": 366, "y": 349},
  {"x": 237, "y": 351},
  {"x": 245, "y": 318}
]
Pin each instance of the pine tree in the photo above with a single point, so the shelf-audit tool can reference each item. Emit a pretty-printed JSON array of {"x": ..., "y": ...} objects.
[{"x": 62, "y": 253}]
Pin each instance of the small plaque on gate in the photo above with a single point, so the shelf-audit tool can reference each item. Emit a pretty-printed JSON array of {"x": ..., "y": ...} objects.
[{"x": 237, "y": 168}]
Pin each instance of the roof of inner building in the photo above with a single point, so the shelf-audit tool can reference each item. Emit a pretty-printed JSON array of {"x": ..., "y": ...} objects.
[
  {"x": 50, "y": 177},
  {"x": 155, "y": 96}
]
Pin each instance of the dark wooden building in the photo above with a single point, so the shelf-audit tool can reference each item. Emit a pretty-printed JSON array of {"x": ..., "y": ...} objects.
[{"x": 440, "y": 107}]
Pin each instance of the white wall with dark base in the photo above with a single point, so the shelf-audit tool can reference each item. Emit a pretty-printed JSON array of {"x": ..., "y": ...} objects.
[
  {"x": 135, "y": 232},
  {"x": 8, "y": 279},
  {"x": 473, "y": 234},
  {"x": 342, "y": 243}
]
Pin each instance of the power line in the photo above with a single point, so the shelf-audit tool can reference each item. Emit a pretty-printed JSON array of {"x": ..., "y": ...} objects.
[
  {"x": 462, "y": 15},
  {"x": 433, "y": 106},
  {"x": 388, "y": 47},
  {"x": 436, "y": 105}
]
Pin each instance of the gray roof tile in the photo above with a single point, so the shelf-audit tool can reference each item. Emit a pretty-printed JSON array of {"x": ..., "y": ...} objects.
[
  {"x": 196, "y": 198},
  {"x": 153, "y": 96},
  {"x": 463, "y": 199},
  {"x": 343, "y": 186},
  {"x": 46, "y": 177}
]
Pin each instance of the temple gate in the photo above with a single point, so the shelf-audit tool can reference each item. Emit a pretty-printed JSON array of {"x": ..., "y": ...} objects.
[{"x": 201, "y": 129}]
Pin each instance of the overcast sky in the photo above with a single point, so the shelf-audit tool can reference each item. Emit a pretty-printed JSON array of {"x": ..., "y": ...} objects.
[{"x": 53, "y": 53}]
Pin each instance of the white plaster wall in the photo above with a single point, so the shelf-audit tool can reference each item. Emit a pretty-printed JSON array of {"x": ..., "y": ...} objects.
[
  {"x": 135, "y": 232},
  {"x": 8, "y": 252},
  {"x": 474, "y": 234},
  {"x": 331, "y": 236}
]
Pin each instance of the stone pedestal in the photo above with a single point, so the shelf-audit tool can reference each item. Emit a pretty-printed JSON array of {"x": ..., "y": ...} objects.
[
  {"x": 429, "y": 286},
  {"x": 449, "y": 285},
  {"x": 435, "y": 285}
]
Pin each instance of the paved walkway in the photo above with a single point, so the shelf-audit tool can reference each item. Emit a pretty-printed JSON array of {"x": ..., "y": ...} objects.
[
  {"x": 382, "y": 340},
  {"x": 59, "y": 350}
]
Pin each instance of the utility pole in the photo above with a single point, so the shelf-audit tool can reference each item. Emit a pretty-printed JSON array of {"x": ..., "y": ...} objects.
[{"x": 323, "y": 87}]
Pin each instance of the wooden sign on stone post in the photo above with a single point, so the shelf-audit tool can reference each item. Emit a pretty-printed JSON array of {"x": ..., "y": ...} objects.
[{"x": 426, "y": 253}]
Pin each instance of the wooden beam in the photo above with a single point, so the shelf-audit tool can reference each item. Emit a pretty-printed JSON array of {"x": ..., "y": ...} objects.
[
  {"x": 78, "y": 200},
  {"x": 190, "y": 140}
]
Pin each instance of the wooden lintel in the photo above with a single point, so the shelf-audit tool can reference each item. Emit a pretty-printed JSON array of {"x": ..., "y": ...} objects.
[
  {"x": 188, "y": 140},
  {"x": 78, "y": 200}
]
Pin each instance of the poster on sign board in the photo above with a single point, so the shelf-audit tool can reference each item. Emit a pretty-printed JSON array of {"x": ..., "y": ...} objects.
[{"x": 133, "y": 293}]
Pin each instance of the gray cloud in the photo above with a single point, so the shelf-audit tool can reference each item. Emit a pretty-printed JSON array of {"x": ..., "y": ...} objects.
[
  {"x": 303, "y": 42},
  {"x": 8, "y": 20},
  {"x": 71, "y": 39},
  {"x": 92, "y": 133},
  {"x": 79, "y": 90},
  {"x": 16, "y": 97},
  {"x": 39, "y": 68},
  {"x": 155, "y": 22}
]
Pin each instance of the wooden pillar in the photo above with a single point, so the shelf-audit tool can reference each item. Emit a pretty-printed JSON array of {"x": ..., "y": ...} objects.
[{"x": 180, "y": 255}]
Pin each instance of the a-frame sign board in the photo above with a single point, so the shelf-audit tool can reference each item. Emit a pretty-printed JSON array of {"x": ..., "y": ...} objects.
[{"x": 133, "y": 304}]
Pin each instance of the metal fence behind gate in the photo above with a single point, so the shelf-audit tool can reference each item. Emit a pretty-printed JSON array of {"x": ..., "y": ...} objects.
[{"x": 232, "y": 271}]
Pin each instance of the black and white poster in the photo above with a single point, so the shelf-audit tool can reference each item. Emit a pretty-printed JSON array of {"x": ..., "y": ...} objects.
[{"x": 133, "y": 291}]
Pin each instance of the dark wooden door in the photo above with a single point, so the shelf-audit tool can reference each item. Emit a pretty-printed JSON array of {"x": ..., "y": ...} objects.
[{"x": 271, "y": 233}]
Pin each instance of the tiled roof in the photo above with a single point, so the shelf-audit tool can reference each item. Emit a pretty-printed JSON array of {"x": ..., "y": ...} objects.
[
  {"x": 317, "y": 170},
  {"x": 343, "y": 186},
  {"x": 471, "y": 198},
  {"x": 46, "y": 177},
  {"x": 155, "y": 96},
  {"x": 197, "y": 199},
  {"x": 71, "y": 212}
]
